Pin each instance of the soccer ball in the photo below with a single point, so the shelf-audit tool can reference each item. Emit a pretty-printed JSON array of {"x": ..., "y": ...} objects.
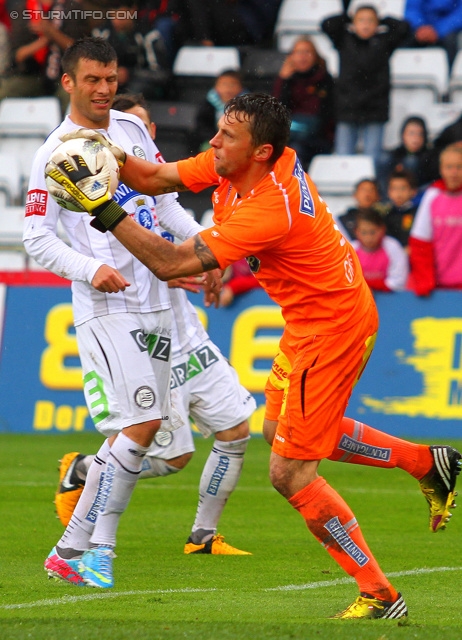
[{"x": 79, "y": 171}]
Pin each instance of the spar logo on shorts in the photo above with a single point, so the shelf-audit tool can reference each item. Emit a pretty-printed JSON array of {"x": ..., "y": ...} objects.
[
  {"x": 145, "y": 397},
  {"x": 36, "y": 202}
]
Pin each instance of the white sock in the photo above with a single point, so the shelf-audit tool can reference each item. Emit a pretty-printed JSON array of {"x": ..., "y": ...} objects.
[
  {"x": 156, "y": 467},
  {"x": 123, "y": 468},
  {"x": 80, "y": 527},
  {"x": 219, "y": 479}
]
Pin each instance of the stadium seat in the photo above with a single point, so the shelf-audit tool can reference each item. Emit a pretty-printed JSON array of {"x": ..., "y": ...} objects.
[
  {"x": 10, "y": 179},
  {"x": 302, "y": 16},
  {"x": 339, "y": 204},
  {"x": 385, "y": 8},
  {"x": 29, "y": 117},
  {"x": 455, "y": 80},
  {"x": 424, "y": 68},
  {"x": 195, "y": 69},
  {"x": 260, "y": 68},
  {"x": 175, "y": 123},
  {"x": 338, "y": 174}
]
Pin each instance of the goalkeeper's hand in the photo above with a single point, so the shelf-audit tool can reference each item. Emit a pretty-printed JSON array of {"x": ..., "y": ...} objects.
[
  {"x": 90, "y": 134},
  {"x": 69, "y": 173}
]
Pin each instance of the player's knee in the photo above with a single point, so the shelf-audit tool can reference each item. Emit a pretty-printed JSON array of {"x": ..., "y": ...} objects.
[
  {"x": 180, "y": 461},
  {"x": 239, "y": 432}
]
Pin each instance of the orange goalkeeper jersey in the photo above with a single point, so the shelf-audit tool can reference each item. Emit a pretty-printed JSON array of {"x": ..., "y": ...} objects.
[{"x": 291, "y": 242}]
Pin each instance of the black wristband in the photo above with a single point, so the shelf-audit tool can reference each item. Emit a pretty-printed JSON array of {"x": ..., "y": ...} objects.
[{"x": 107, "y": 216}]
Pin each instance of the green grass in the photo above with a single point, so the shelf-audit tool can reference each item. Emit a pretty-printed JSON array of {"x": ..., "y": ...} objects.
[{"x": 162, "y": 594}]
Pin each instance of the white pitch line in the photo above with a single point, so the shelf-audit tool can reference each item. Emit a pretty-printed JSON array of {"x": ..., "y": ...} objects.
[
  {"x": 333, "y": 583},
  {"x": 98, "y": 596},
  {"x": 291, "y": 587}
]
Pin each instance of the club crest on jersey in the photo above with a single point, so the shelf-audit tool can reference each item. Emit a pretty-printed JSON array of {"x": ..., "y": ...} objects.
[
  {"x": 306, "y": 201},
  {"x": 138, "y": 152},
  {"x": 143, "y": 214}
]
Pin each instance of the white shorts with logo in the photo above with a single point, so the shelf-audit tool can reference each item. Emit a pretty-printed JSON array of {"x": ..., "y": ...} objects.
[
  {"x": 206, "y": 388},
  {"x": 126, "y": 368}
]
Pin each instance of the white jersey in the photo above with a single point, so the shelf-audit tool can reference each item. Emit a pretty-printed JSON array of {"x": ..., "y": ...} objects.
[{"x": 90, "y": 249}]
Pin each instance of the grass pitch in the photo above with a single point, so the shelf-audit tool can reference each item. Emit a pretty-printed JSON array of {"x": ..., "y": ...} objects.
[{"x": 287, "y": 589}]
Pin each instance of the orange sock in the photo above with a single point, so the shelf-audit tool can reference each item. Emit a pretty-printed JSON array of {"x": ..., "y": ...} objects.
[
  {"x": 332, "y": 522},
  {"x": 358, "y": 443}
]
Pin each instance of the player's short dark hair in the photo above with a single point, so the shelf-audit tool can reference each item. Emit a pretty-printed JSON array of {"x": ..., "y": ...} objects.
[
  {"x": 125, "y": 101},
  {"x": 269, "y": 120},
  {"x": 404, "y": 174},
  {"x": 369, "y": 214},
  {"x": 97, "y": 49}
]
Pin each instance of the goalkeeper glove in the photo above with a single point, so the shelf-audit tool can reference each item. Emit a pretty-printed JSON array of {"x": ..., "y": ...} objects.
[{"x": 90, "y": 134}]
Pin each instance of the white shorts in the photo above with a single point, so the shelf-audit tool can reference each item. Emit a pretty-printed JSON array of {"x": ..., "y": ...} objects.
[
  {"x": 206, "y": 388},
  {"x": 126, "y": 368}
]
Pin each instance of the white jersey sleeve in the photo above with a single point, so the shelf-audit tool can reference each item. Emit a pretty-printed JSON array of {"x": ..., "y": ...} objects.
[
  {"x": 422, "y": 226},
  {"x": 398, "y": 268}
]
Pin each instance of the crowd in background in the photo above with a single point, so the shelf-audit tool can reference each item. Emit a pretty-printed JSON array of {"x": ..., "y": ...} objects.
[{"x": 407, "y": 223}]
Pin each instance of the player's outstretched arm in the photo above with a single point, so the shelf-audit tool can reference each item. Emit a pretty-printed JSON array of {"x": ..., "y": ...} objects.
[
  {"x": 149, "y": 178},
  {"x": 163, "y": 258}
]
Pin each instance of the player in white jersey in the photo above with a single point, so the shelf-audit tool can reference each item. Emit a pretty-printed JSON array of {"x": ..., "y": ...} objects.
[
  {"x": 207, "y": 389},
  {"x": 121, "y": 313}
]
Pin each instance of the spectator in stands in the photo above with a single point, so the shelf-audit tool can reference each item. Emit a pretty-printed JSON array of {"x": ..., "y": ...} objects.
[
  {"x": 383, "y": 260},
  {"x": 227, "y": 85},
  {"x": 237, "y": 279},
  {"x": 436, "y": 236},
  {"x": 450, "y": 134},
  {"x": 163, "y": 16},
  {"x": 435, "y": 23},
  {"x": 226, "y": 22},
  {"x": 36, "y": 46},
  {"x": 414, "y": 154},
  {"x": 141, "y": 52},
  {"x": 305, "y": 87},
  {"x": 366, "y": 194},
  {"x": 401, "y": 209},
  {"x": 365, "y": 44}
]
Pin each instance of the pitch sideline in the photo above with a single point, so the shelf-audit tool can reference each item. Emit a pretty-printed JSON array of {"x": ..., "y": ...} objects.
[{"x": 291, "y": 587}]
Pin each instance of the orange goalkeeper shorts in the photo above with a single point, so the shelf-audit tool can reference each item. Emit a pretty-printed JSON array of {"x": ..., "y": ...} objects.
[{"x": 309, "y": 388}]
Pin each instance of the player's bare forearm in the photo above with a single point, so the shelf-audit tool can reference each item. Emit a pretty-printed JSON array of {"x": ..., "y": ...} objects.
[
  {"x": 150, "y": 178},
  {"x": 163, "y": 258}
]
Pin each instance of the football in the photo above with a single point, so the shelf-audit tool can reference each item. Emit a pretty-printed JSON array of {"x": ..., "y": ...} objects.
[{"x": 81, "y": 170}]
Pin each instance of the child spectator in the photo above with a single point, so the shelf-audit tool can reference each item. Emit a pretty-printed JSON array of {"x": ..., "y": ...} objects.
[
  {"x": 400, "y": 213},
  {"x": 413, "y": 154},
  {"x": 227, "y": 85},
  {"x": 383, "y": 260},
  {"x": 366, "y": 194},
  {"x": 436, "y": 235},
  {"x": 143, "y": 60},
  {"x": 365, "y": 45},
  {"x": 305, "y": 87}
]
